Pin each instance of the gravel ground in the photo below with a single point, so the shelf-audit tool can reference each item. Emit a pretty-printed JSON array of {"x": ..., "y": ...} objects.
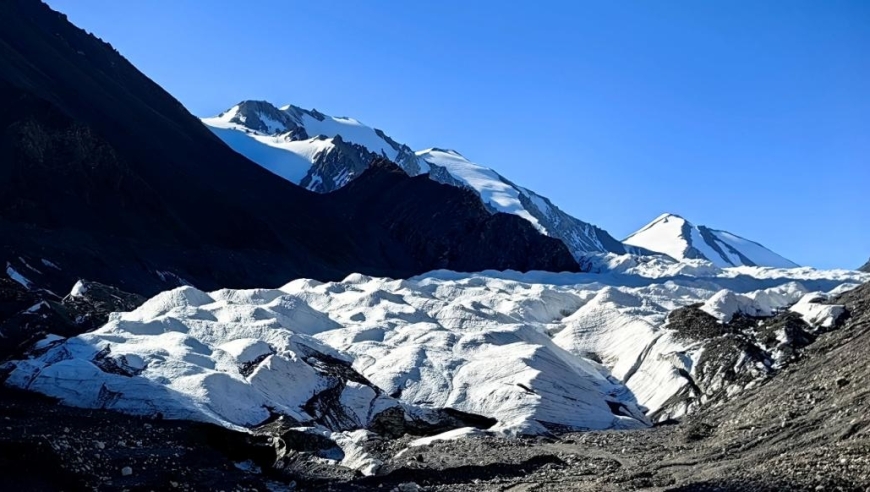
[{"x": 46, "y": 446}]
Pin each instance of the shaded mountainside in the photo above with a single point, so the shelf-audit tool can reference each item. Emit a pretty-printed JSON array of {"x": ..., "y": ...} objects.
[
  {"x": 444, "y": 234},
  {"x": 865, "y": 267},
  {"x": 108, "y": 177}
]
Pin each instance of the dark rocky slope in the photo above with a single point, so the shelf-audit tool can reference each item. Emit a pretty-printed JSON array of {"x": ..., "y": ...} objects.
[
  {"x": 865, "y": 267},
  {"x": 108, "y": 177},
  {"x": 735, "y": 355},
  {"x": 27, "y": 316}
]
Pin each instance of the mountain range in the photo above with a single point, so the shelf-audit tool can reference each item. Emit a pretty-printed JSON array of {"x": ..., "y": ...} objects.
[{"x": 324, "y": 153}]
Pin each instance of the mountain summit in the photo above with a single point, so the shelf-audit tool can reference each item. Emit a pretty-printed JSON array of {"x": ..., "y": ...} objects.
[
  {"x": 324, "y": 153},
  {"x": 677, "y": 237}
]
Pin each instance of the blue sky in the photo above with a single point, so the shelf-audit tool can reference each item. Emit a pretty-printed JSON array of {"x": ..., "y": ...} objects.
[{"x": 748, "y": 116}]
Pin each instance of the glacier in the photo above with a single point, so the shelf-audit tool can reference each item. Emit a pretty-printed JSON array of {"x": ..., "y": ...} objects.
[{"x": 536, "y": 352}]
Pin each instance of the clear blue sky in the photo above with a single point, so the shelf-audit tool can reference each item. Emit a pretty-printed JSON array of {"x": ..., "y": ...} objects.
[{"x": 748, "y": 116}]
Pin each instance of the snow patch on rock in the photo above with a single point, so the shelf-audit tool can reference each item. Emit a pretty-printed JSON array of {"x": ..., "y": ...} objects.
[
  {"x": 16, "y": 276},
  {"x": 817, "y": 314},
  {"x": 79, "y": 289},
  {"x": 454, "y": 434}
]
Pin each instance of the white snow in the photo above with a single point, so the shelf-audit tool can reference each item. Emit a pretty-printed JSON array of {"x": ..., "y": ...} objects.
[
  {"x": 667, "y": 234},
  {"x": 754, "y": 251},
  {"x": 49, "y": 264},
  {"x": 355, "y": 455},
  {"x": 662, "y": 235},
  {"x": 350, "y": 130},
  {"x": 725, "y": 303},
  {"x": 14, "y": 275},
  {"x": 293, "y": 161},
  {"x": 171, "y": 277},
  {"x": 489, "y": 184},
  {"x": 36, "y": 307},
  {"x": 289, "y": 159},
  {"x": 697, "y": 241},
  {"x": 815, "y": 313},
  {"x": 451, "y": 435},
  {"x": 78, "y": 290},
  {"x": 246, "y": 350}
]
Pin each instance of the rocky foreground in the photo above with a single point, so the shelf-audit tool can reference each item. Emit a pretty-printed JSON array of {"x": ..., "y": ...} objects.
[{"x": 805, "y": 428}]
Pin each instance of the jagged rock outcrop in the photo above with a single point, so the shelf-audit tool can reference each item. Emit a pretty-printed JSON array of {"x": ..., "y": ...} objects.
[
  {"x": 737, "y": 354},
  {"x": 29, "y": 315}
]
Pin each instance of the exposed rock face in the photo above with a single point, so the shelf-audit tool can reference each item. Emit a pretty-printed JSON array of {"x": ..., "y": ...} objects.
[
  {"x": 27, "y": 316},
  {"x": 736, "y": 355},
  {"x": 48, "y": 447},
  {"x": 92, "y": 302},
  {"x": 347, "y": 160},
  {"x": 260, "y": 116},
  {"x": 865, "y": 267},
  {"x": 336, "y": 168}
]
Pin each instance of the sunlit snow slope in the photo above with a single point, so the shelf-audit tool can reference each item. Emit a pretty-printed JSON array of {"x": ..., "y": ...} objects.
[
  {"x": 680, "y": 239},
  {"x": 323, "y": 153}
]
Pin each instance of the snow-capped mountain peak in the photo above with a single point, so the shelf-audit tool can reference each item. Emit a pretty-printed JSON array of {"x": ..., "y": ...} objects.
[
  {"x": 264, "y": 118},
  {"x": 324, "y": 153},
  {"x": 678, "y": 238},
  {"x": 444, "y": 151}
]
